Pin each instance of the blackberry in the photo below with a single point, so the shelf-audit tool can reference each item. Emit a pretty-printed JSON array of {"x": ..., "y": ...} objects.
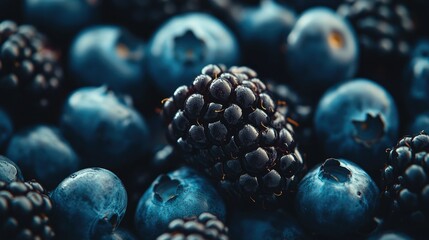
[
  {"x": 30, "y": 74},
  {"x": 204, "y": 227},
  {"x": 297, "y": 110},
  {"x": 406, "y": 180},
  {"x": 384, "y": 30},
  {"x": 227, "y": 124},
  {"x": 383, "y": 26},
  {"x": 24, "y": 211}
]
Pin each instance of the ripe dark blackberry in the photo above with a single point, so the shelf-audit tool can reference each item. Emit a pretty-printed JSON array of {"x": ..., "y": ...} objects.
[
  {"x": 149, "y": 13},
  {"x": 298, "y": 111},
  {"x": 30, "y": 74},
  {"x": 24, "y": 211},
  {"x": 204, "y": 227},
  {"x": 385, "y": 30},
  {"x": 227, "y": 123},
  {"x": 383, "y": 26},
  {"x": 406, "y": 180}
]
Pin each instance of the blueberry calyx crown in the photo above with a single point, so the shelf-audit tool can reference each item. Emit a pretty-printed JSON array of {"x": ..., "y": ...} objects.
[
  {"x": 332, "y": 170},
  {"x": 167, "y": 189},
  {"x": 189, "y": 49},
  {"x": 336, "y": 40},
  {"x": 370, "y": 130},
  {"x": 128, "y": 47}
]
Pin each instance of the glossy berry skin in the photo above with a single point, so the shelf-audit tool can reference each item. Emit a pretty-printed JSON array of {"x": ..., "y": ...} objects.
[
  {"x": 9, "y": 171},
  {"x": 59, "y": 17},
  {"x": 262, "y": 29},
  {"x": 43, "y": 154},
  {"x": 178, "y": 194},
  {"x": 31, "y": 76},
  {"x": 336, "y": 193},
  {"x": 419, "y": 123},
  {"x": 405, "y": 181},
  {"x": 103, "y": 128},
  {"x": 108, "y": 55},
  {"x": 184, "y": 45},
  {"x": 321, "y": 50},
  {"x": 417, "y": 77},
  {"x": 357, "y": 120},
  {"x": 227, "y": 124},
  {"x": 260, "y": 224},
  {"x": 25, "y": 211},
  {"x": 88, "y": 204},
  {"x": 6, "y": 127}
]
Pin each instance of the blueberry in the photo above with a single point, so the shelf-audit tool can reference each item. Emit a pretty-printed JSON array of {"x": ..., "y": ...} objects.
[
  {"x": 179, "y": 194},
  {"x": 58, "y": 17},
  {"x": 87, "y": 204},
  {"x": 419, "y": 123},
  {"x": 357, "y": 120},
  {"x": 321, "y": 50},
  {"x": 262, "y": 27},
  {"x": 9, "y": 171},
  {"x": 103, "y": 128},
  {"x": 108, "y": 55},
  {"x": 259, "y": 224},
  {"x": 336, "y": 198},
  {"x": 43, "y": 154},
  {"x": 184, "y": 45},
  {"x": 417, "y": 77},
  {"x": 6, "y": 127}
]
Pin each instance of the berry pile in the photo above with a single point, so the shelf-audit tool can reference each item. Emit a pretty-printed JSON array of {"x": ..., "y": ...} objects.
[{"x": 214, "y": 119}]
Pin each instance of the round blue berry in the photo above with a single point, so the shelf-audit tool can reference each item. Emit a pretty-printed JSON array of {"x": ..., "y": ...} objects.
[
  {"x": 336, "y": 198},
  {"x": 184, "y": 45},
  {"x": 108, "y": 55},
  {"x": 321, "y": 50},
  {"x": 103, "y": 128},
  {"x": 88, "y": 204},
  {"x": 179, "y": 194},
  {"x": 43, "y": 154},
  {"x": 357, "y": 120}
]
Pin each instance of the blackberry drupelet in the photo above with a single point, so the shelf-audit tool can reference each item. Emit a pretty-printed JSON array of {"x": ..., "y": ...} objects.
[
  {"x": 406, "y": 180},
  {"x": 227, "y": 124},
  {"x": 204, "y": 227},
  {"x": 298, "y": 110},
  {"x": 30, "y": 74},
  {"x": 383, "y": 26},
  {"x": 384, "y": 29},
  {"x": 24, "y": 211}
]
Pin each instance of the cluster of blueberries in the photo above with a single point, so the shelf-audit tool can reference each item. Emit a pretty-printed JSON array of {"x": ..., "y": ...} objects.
[{"x": 137, "y": 122}]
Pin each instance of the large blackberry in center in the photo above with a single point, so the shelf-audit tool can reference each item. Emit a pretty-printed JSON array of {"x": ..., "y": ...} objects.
[
  {"x": 227, "y": 124},
  {"x": 406, "y": 180}
]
